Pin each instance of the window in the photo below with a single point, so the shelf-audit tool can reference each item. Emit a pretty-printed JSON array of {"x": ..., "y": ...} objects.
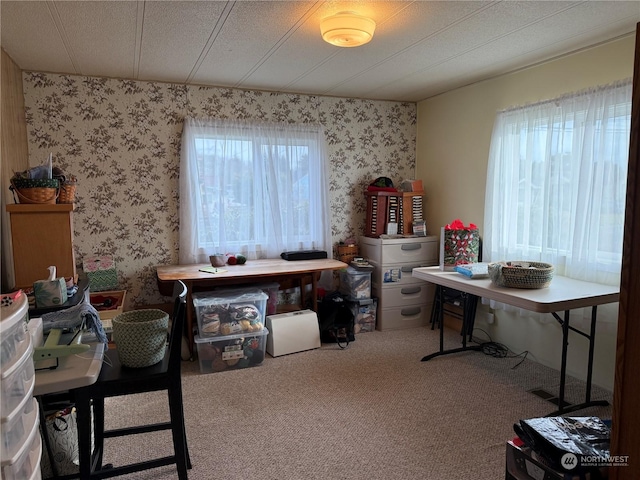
[
  {"x": 556, "y": 183},
  {"x": 255, "y": 188}
]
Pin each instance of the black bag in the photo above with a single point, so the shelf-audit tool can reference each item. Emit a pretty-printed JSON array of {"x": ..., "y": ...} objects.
[
  {"x": 563, "y": 441},
  {"x": 336, "y": 320}
]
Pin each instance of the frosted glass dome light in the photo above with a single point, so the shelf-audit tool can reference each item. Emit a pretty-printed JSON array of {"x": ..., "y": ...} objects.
[{"x": 347, "y": 29}]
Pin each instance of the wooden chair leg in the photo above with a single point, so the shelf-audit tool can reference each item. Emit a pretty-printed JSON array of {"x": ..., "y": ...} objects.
[
  {"x": 98, "y": 433},
  {"x": 178, "y": 433},
  {"x": 83, "y": 416}
]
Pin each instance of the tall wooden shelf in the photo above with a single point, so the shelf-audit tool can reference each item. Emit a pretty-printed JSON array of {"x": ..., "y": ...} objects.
[{"x": 41, "y": 235}]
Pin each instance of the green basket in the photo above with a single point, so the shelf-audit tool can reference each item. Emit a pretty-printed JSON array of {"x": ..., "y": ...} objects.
[{"x": 140, "y": 337}]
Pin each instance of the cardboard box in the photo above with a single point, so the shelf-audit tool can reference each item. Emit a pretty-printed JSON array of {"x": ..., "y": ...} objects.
[
  {"x": 292, "y": 332},
  {"x": 107, "y": 313}
]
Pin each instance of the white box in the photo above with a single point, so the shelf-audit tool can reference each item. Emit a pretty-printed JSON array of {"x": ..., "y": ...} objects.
[{"x": 292, "y": 332}]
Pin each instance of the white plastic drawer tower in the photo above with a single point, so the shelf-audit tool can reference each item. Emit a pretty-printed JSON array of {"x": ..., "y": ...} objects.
[
  {"x": 403, "y": 301},
  {"x": 21, "y": 446}
]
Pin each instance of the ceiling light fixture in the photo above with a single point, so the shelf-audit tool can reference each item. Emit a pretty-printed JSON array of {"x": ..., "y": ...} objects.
[{"x": 347, "y": 29}]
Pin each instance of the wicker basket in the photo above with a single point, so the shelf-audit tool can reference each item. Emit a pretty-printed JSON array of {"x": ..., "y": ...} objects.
[
  {"x": 67, "y": 192},
  {"x": 518, "y": 274},
  {"x": 39, "y": 191},
  {"x": 346, "y": 253}
]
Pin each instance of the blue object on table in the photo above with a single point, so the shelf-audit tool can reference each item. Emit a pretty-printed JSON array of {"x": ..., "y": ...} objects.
[{"x": 81, "y": 315}]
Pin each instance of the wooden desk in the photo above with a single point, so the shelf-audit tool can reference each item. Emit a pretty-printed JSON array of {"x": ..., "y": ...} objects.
[
  {"x": 563, "y": 295},
  {"x": 254, "y": 271}
]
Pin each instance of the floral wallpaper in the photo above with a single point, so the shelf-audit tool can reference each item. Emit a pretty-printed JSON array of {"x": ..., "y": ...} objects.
[{"x": 121, "y": 139}]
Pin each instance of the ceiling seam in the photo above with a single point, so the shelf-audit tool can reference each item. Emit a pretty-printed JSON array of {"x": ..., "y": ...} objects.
[
  {"x": 55, "y": 16},
  {"x": 137, "y": 54},
  {"x": 217, "y": 28},
  {"x": 448, "y": 59},
  {"x": 313, "y": 9}
]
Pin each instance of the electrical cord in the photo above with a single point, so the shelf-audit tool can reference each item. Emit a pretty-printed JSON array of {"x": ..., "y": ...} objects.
[{"x": 499, "y": 350}]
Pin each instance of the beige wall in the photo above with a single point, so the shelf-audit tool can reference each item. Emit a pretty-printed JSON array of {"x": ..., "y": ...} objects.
[{"x": 454, "y": 133}]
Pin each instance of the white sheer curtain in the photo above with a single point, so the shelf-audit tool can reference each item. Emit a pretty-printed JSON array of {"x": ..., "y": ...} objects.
[
  {"x": 253, "y": 188},
  {"x": 556, "y": 183}
]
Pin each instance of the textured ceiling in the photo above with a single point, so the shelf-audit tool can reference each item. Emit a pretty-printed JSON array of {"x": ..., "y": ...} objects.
[{"x": 420, "y": 48}]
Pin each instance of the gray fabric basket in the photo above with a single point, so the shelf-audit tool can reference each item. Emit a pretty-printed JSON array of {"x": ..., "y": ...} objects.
[{"x": 140, "y": 337}]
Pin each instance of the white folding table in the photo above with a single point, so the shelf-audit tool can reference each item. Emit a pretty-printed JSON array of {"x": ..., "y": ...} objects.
[{"x": 563, "y": 295}]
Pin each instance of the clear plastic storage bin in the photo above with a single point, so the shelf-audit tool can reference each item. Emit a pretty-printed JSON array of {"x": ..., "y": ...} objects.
[
  {"x": 355, "y": 283},
  {"x": 231, "y": 352},
  {"x": 230, "y": 312}
]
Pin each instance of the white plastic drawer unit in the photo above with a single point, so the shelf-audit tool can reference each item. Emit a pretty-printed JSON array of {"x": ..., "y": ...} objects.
[{"x": 423, "y": 250}]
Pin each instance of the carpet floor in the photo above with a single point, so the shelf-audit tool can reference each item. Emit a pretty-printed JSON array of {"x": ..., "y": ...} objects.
[{"x": 371, "y": 411}]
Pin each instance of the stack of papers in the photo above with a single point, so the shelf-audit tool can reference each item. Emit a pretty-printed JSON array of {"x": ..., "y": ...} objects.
[{"x": 473, "y": 270}]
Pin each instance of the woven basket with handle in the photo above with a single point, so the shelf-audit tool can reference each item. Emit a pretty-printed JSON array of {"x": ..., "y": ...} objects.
[
  {"x": 521, "y": 274},
  {"x": 35, "y": 191},
  {"x": 67, "y": 192}
]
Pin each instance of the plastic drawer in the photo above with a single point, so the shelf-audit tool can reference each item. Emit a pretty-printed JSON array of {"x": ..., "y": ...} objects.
[
  {"x": 394, "y": 275},
  {"x": 401, "y": 250},
  {"x": 13, "y": 332},
  {"x": 403, "y": 317},
  {"x": 17, "y": 429},
  {"x": 17, "y": 382},
  {"x": 27, "y": 463},
  {"x": 403, "y": 295}
]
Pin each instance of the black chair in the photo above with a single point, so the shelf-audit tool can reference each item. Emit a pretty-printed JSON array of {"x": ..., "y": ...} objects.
[
  {"x": 448, "y": 301},
  {"x": 450, "y": 297},
  {"x": 116, "y": 380}
]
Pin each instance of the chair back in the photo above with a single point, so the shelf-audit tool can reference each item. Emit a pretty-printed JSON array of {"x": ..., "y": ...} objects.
[{"x": 177, "y": 326}]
